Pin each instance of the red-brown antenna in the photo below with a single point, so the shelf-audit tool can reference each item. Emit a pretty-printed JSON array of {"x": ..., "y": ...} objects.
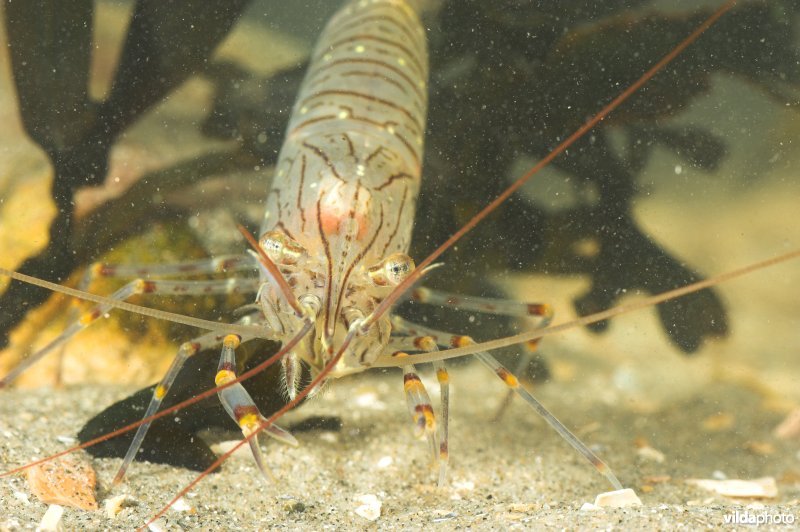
[{"x": 392, "y": 298}]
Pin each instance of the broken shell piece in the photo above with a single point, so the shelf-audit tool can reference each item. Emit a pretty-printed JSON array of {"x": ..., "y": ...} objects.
[
  {"x": 759, "y": 488},
  {"x": 369, "y": 507},
  {"x": 51, "y": 520},
  {"x": 181, "y": 506},
  {"x": 113, "y": 505},
  {"x": 618, "y": 499},
  {"x": 67, "y": 481}
]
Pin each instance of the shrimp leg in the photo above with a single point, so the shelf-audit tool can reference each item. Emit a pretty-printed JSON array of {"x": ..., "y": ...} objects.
[
  {"x": 240, "y": 405},
  {"x": 486, "y": 305},
  {"x": 136, "y": 287},
  {"x": 510, "y": 380},
  {"x": 418, "y": 400}
]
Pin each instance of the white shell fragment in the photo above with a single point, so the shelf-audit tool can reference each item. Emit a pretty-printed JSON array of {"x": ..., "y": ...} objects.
[
  {"x": 51, "y": 521},
  {"x": 181, "y": 506},
  {"x": 369, "y": 507},
  {"x": 617, "y": 499},
  {"x": 113, "y": 505},
  {"x": 760, "y": 488}
]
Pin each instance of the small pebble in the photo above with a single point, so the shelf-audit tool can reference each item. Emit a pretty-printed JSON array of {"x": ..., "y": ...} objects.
[{"x": 369, "y": 507}]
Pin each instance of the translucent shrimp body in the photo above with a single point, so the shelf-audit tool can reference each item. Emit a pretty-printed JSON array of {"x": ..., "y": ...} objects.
[{"x": 341, "y": 208}]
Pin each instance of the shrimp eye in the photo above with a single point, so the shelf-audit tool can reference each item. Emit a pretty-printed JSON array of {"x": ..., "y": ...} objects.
[
  {"x": 280, "y": 248},
  {"x": 392, "y": 270}
]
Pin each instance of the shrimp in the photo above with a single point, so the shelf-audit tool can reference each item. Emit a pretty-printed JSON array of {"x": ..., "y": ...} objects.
[{"x": 326, "y": 298}]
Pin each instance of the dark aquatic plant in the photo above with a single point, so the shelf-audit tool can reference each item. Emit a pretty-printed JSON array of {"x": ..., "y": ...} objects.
[{"x": 51, "y": 46}]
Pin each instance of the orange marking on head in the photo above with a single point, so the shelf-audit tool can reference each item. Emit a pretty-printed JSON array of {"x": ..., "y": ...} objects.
[{"x": 336, "y": 206}]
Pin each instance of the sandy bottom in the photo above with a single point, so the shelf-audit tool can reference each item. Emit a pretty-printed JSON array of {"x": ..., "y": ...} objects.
[{"x": 515, "y": 473}]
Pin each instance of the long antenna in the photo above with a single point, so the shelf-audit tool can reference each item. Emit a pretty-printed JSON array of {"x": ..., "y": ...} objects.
[
  {"x": 392, "y": 298},
  {"x": 227, "y": 328},
  {"x": 422, "y": 358}
]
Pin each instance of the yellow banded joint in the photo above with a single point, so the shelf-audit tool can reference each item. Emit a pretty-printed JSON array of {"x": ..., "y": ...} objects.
[
  {"x": 224, "y": 376},
  {"x": 232, "y": 341}
]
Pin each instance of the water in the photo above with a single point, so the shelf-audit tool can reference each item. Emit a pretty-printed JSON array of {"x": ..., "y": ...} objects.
[{"x": 713, "y": 411}]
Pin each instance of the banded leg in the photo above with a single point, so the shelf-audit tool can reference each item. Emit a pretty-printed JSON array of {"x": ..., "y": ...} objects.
[
  {"x": 419, "y": 406},
  {"x": 139, "y": 286},
  {"x": 428, "y": 344},
  {"x": 185, "y": 351},
  {"x": 485, "y": 305},
  {"x": 221, "y": 264},
  {"x": 510, "y": 380},
  {"x": 240, "y": 406},
  {"x": 503, "y": 307},
  {"x": 443, "y": 377}
]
